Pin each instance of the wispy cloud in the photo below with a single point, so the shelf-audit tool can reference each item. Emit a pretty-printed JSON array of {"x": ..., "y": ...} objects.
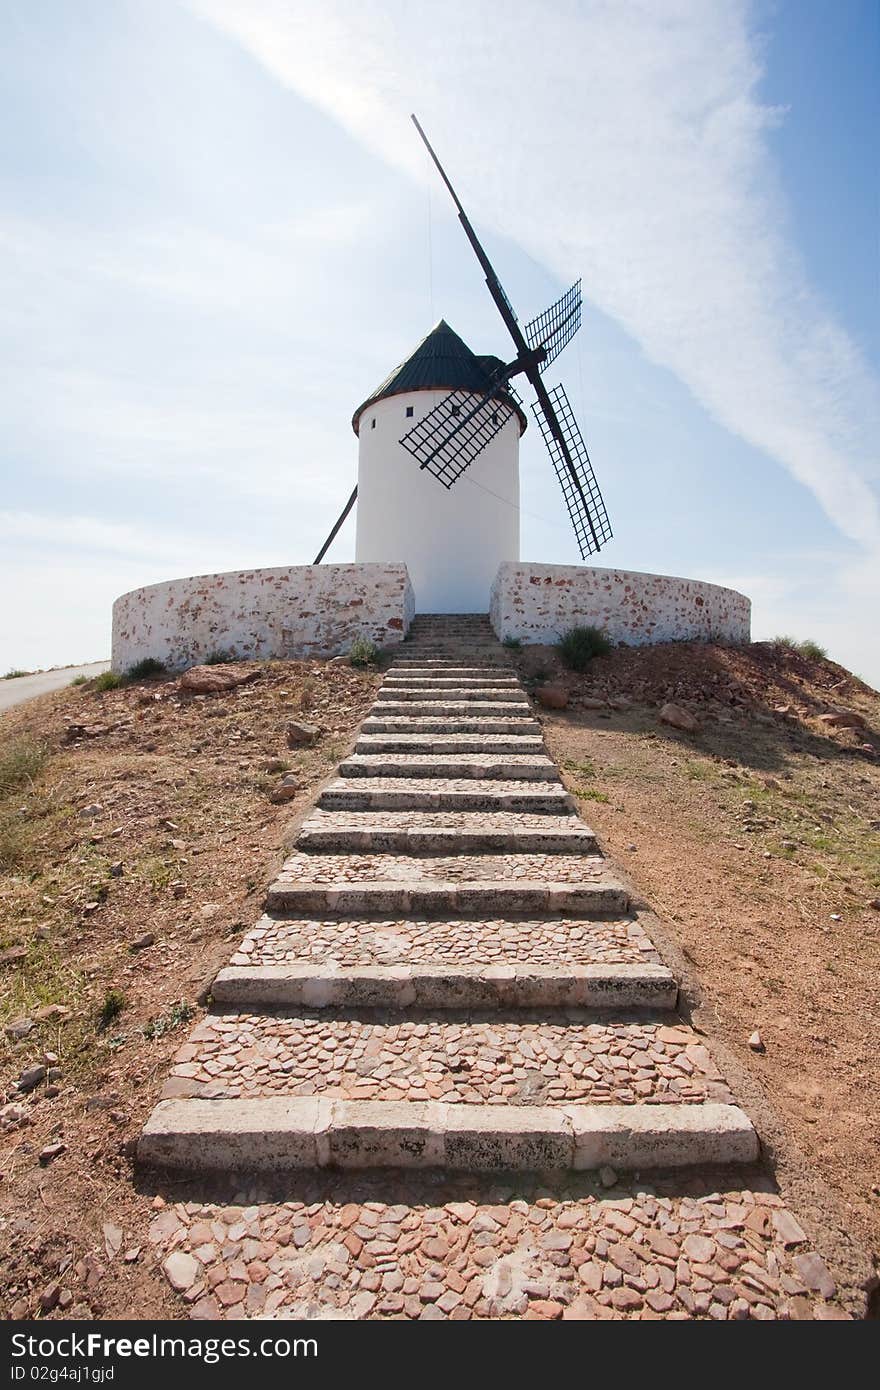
[{"x": 626, "y": 140}]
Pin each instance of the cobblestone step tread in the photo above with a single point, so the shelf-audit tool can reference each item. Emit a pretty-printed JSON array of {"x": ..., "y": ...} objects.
[
  {"x": 445, "y": 794},
  {"x": 517, "y": 1058},
  {"x": 511, "y": 767},
  {"x": 350, "y": 941},
  {"x": 411, "y": 1245},
  {"x": 456, "y": 744},
  {"x": 458, "y": 724},
  {"x": 484, "y": 884},
  {"x": 443, "y": 832}
]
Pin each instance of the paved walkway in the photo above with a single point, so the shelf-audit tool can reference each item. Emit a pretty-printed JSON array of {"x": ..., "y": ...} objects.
[
  {"x": 439, "y": 1068},
  {"x": 21, "y": 688}
]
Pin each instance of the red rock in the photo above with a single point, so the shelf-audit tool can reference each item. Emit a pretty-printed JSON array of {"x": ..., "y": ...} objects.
[
  {"x": 679, "y": 718},
  {"x": 213, "y": 680},
  {"x": 552, "y": 696}
]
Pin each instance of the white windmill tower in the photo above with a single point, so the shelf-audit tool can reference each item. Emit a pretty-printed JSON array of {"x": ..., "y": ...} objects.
[
  {"x": 461, "y": 420},
  {"x": 452, "y": 540}
]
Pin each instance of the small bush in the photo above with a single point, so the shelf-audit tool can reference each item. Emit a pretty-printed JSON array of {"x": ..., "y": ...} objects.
[
  {"x": 14, "y": 674},
  {"x": 513, "y": 644},
  {"x": 79, "y": 680},
  {"x": 114, "y": 1002},
  {"x": 218, "y": 658},
  {"x": 578, "y": 646},
  {"x": 20, "y": 761},
  {"x": 363, "y": 652},
  {"x": 811, "y": 650},
  {"x": 177, "y": 1014},
  {"x": 108, "y": 680},
  {"x": 142, "y": 670}
]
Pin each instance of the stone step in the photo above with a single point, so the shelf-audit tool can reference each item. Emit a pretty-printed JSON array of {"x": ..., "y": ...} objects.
[
  {"x": 446, "y": 708},
  {"x": 517, "y": 1057},
  {"x": 457, "y": 745},
  {"x": 520, "y": 767},
  {"x": 420, "y": 725},
  {"x": 450, "y": 794},
  {"x": 520, "y": 943},
  {"x": 416, "y": 670},
  {"x": 430, "y": 693},
  {"x": 491, "y": 885},
  {"x": 444, "y": 986},
  {"x": 398, "y": 680},
  {"x": 443, "y": 832},
  {"x": 285, "y": 1132}
]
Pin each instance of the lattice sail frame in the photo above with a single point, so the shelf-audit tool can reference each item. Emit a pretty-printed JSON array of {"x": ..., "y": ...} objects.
[
  {"x": 586, "y": 507},
  {"x": 554, "y": 329},
  {"x": 447, "y": 440}
]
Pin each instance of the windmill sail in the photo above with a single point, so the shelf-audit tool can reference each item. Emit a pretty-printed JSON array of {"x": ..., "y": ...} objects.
[
  {"x": 568, "y": 452},
  {"x": 554, "y": 329},
  {"x": 448, "y": 439}
]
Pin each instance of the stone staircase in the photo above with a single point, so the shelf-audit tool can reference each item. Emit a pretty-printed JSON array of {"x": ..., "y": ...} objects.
[{"x": 449, "y": 979}]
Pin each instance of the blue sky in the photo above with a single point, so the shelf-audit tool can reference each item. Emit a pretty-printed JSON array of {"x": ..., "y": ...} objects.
[{"x": 219, "y": 231}]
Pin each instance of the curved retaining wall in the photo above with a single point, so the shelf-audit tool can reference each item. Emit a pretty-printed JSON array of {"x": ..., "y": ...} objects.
[
  {"x": 298, "y": 610},
  {"x": 538, "y": 603}
]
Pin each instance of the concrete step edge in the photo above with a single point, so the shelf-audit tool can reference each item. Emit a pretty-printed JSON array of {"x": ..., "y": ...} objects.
[
  {"x": 311, "y": 1132},
  {"x": 445, "y": 985}
]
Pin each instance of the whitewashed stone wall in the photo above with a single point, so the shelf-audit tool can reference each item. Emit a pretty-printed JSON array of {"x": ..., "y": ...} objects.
[
  {"x": 538, "y": 603},
  {"x": 299, "y": 610}
]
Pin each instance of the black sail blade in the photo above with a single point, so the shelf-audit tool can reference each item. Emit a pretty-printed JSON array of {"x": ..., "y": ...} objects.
[
  {"x": 566, "y": 447},
  {"x": 554, "y": 329},
  {"x": 447, "y": 440}
]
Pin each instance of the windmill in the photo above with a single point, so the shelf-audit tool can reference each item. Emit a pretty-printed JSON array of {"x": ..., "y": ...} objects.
[{"x": 448, "y": 440}]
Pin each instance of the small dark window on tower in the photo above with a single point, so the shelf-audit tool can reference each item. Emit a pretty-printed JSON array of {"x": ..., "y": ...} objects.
[
  {"x": 409, "y": 410},
  {"x": 373, "y": 424},
  {"x": 494, "y": 417},
  {"x": 456, "y": 410}
]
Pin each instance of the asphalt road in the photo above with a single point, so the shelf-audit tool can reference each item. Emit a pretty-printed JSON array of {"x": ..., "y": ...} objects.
[{"x": 21, "y": 688}]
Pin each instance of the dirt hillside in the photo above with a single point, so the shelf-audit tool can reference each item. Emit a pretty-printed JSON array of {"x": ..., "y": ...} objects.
[
  {"x": 755, "y": 838},
  {"x": 137, "y": 835}
]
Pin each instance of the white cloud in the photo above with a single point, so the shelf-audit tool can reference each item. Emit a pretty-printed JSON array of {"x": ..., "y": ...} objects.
[{"x": 623, "y": 139}]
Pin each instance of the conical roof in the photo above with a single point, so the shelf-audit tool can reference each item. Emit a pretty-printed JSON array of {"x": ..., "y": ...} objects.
[{"x": 441, "y": 362}]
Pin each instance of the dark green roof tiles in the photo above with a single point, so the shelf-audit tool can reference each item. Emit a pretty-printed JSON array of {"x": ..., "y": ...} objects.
[{"x": 441, "y": 362}]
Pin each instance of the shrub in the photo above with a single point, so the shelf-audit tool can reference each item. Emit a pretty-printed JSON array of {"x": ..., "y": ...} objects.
[
  {"x": 811, "y": 650},
  {"x": 79, "y": 680},
  {"x": 15, "y": 673},
  {"x": 20, "y": 761},
  {"x": 579, "y": 645},
  {"x": 513, "y": 644},
  {"x": 142, "y": 670},
  {"x": 363, "y": 652},
  {"x": 218, "y": 658},
  {"x": 114, "y": 1003},
  {"x": 108, "y": 680}
]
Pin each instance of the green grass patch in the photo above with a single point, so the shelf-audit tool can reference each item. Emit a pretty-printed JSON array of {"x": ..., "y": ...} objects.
[
  {"x": 114, "y": 1002},
  {"x": 14, "y": 674},
  {"x": 363, "y": 652},
  {"x": 22, "y": 759},
  {"x": 218, "y": 658},
  {"x": 592, "y": 794},
  {"x": 108, "y": 680},
  {"x": 513, "y": 644},
  {"x": 579, "y": 645},
  {"x": 143, "y": 670},
  {"x": 180, "y": 1012},
  {"x": 80, "y": 680}
]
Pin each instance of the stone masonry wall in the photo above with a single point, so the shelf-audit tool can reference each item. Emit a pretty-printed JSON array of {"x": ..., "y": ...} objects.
[
  {"x": 299, "y": 610},
  {"x": 538, "y": 603}
]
